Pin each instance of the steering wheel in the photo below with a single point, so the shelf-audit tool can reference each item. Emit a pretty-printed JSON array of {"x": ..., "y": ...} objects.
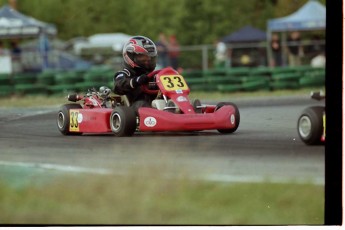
[{"x": 145, "y": 88}]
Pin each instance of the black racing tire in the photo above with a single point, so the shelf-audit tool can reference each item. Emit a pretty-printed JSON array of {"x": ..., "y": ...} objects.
[
  {"x": 123, "y": 121},
  {"x": 310, "y": 125},
  {"x": 63, "y": 119},
  {"x": 196, "y": 103},
  {"x": 237, "y": 117},
  {"x": 175, "y": 109}
]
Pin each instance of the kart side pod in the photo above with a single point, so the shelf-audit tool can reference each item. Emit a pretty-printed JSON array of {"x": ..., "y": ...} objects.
[{"x": 225, "y": 119}]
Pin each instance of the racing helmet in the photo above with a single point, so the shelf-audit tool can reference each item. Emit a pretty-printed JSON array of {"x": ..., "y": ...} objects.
[{"x": 140, "y": 53}]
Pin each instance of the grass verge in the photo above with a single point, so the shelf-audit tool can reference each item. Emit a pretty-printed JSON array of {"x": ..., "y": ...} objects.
[{"x": 150, "y": 199}]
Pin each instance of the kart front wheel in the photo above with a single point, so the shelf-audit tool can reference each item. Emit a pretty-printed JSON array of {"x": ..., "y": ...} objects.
[
  {"x": 310, "y": 125},
  {"x": 123, "y": 121},
  {"x": 196, "y": 105},
  {"x": 236, "y": 116},
  {"x": 63, "y": 119}
]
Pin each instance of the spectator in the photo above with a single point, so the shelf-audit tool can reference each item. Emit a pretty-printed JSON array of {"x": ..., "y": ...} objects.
[
  {"x": 316, "y": 47},
  {"x": 174, "y": 52},
  {"x": 276, "y": 51},
  {"x": 44, "y": 49},
  {"x": 295, "y": 49},
  {"x": 162, "y": 48},
  {"x": 221, "y": 54},
  {"x": 16, "y": 56}
]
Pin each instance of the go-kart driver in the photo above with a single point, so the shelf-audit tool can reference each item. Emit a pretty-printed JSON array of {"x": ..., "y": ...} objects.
[{"x": 139, "y": 55}]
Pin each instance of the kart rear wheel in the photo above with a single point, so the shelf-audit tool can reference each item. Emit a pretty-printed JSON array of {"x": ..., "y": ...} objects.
[
  {"x": 236, "y": 116},
  {"x": 63, "y": 119},
  {"x": 123, "y": 121},
  {"x": 310, "y": 125}
]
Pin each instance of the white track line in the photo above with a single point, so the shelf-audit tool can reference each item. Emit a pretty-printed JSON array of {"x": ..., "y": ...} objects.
[
  {"x": 262, "y": 179},
  {"x": 64, "y": 168},
  {"x": 209, "y": 177}
]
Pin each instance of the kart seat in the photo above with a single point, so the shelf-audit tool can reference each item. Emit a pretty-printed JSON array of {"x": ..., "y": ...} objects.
[
  {"x": 120, "y": 99},
  {"x": 124, "y": 100}
]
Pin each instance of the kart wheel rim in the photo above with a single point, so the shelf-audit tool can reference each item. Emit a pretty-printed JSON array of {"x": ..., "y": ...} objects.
[
  {"x": 304, "y": 127},
  {"x": 61, "y": 120},
  {"x": 116, "y": 122}
]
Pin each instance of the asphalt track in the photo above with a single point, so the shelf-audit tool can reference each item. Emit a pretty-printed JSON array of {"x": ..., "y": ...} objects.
[{"x": 266, "y": 146}]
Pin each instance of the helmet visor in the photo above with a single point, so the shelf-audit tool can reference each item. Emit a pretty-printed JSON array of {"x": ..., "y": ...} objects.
[{"x": 145, "y": 61}]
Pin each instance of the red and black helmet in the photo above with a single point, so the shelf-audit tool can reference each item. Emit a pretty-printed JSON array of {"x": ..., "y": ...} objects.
[{"x": 140, "y": 53}]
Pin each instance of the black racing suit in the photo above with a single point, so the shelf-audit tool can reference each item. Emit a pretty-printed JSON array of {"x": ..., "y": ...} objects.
[{"x": 124, "y": 85}]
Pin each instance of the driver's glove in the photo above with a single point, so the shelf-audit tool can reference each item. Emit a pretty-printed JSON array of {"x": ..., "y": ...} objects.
[{"x": 140, "y": 80}]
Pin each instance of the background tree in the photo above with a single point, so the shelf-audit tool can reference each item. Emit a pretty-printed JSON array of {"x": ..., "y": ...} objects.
[{"x": 193, "y": 21}]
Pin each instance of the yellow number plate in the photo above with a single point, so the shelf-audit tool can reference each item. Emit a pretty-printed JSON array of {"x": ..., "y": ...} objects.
[
  {"x": 73, "y": 120},
  {"x": 173, "y": 82}
]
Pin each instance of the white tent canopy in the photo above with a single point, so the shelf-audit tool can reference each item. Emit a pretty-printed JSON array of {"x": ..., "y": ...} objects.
[
  {"x": 114, "y": 41},
  {"x": 17, "y": 25},
  {"x": 311, "y": 16}
]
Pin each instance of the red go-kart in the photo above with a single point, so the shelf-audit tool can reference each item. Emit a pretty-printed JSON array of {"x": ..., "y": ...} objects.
[{"x": 99, "y": 112}]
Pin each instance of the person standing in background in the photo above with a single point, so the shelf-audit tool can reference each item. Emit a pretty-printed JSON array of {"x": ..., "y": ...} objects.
[
  {"x": 295, "y": 50},
  {"x": 276, "y": 51},
  {"x": 16, "y": 56},
  {"x": 174, "y": 52},
  {"x": 163, "y": 51},
  {"x": 220, "y": 54}
]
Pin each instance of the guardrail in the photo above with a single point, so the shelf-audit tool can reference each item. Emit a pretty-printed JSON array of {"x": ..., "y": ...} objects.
[
  {"x": 217, "y": 79},
  {"x": 253, "y": 79}
]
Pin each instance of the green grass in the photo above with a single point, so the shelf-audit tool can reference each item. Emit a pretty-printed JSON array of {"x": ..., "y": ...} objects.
[
  {"x": 39, "y": 100},
  {"x": 150, "y": 199},
  {"x": 32, "y": 101}
]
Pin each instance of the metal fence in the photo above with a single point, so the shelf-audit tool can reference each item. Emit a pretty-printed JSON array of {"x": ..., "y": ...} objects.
[
  {"x": 197, "y": 57},
  {"x": 202, "y": 57}
]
